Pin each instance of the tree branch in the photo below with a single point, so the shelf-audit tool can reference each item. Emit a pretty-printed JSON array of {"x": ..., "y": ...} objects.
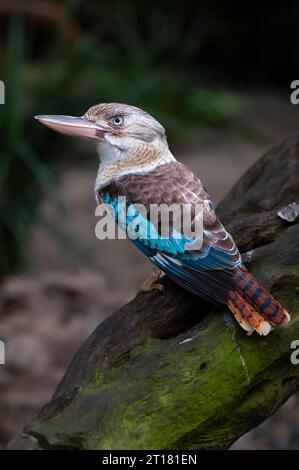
[{"x": 168, "y": 371}]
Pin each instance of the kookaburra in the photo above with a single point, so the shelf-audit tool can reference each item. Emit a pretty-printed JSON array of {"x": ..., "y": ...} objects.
[{"x": 136, "y": 162}]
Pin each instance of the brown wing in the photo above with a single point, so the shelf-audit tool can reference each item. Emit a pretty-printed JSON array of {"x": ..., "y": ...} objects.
[
  {"x": 208, "y": 271},
  {"x": 174, "y": 183}
]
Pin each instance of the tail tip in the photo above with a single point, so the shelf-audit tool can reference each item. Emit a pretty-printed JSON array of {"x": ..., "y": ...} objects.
[
  {"x": 264, "y": 328},
  {"x": 286, "y": 317}
]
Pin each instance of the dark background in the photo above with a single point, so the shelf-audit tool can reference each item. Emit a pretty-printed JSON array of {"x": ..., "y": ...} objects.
[{"x": 217, "y": 75}]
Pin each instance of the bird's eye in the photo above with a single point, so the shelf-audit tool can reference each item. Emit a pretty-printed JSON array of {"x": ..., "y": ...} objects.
[{"x": 117, "y": 120}]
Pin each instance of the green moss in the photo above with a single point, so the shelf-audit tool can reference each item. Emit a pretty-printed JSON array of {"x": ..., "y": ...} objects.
[
  {"x": 163, "y": 382},
  {"x": 180, "y": 392}
]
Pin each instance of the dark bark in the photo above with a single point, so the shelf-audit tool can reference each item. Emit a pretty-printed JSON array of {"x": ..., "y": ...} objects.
[{"x": 171, "y": 371}]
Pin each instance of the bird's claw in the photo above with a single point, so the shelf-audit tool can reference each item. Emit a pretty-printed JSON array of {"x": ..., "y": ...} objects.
[
  {"x": 154, "y": 286},
  {"x": 151, "y": 282}
]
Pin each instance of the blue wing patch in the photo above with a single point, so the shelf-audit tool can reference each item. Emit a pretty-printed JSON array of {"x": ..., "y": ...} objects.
[
  {"x": 208, "y": 272},
  {"x": 138, "y": 227}
]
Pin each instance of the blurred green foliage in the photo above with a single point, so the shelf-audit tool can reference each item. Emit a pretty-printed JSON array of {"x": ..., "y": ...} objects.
[
  {"x": 96, "y": 52},
  {"x": 22, "y": 172}
]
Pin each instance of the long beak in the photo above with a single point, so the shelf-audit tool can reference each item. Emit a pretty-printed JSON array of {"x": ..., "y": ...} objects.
[{"x": 75, "y": 126}]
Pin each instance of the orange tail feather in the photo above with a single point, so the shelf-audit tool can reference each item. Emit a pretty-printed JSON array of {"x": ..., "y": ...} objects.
[
  {"x": 260, "y": 299},
  {"x": 253, "y": 307}
]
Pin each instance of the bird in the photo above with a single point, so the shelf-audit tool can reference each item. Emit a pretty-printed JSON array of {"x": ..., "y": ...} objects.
[{"x": 137, "y": 163}]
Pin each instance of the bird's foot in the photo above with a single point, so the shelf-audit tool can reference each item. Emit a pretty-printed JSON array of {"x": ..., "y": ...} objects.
[{"x": 151, "y": 282}]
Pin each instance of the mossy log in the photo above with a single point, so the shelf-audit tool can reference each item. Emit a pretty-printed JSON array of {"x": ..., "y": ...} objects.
[{"x": 169, "y": 371}]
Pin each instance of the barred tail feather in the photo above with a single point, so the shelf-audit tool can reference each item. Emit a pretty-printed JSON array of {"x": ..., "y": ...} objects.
[
  {"x": 253, "y": 307},
  {"x": 260, "y": 299},
  {"x": 246, "y": 316}
]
